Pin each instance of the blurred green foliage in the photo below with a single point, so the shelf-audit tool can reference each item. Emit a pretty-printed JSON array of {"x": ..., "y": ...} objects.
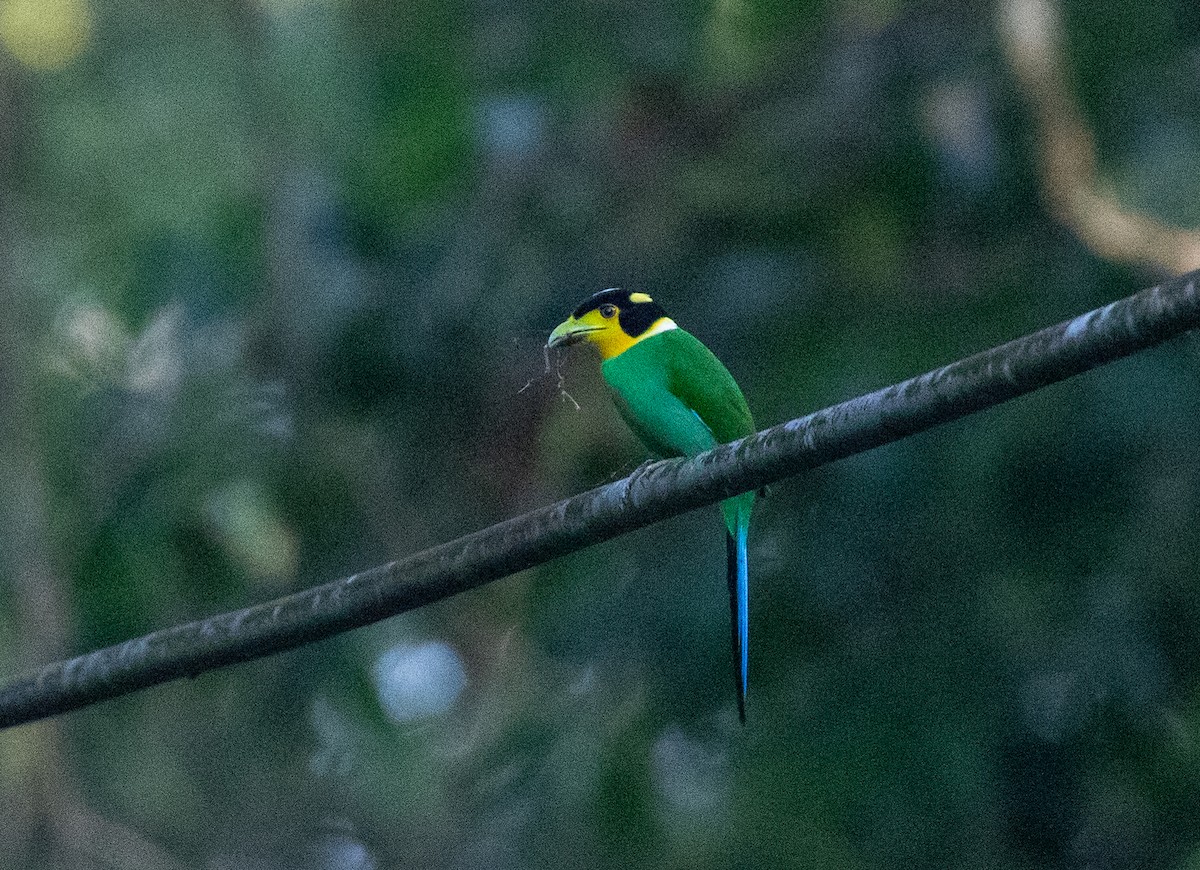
[{"x": 274, "y": 274}]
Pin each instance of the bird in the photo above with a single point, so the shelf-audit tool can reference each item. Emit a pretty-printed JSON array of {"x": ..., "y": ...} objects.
[{"x": 680, "y": 400}]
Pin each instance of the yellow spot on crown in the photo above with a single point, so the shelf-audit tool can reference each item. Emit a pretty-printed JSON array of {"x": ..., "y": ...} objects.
[{"x": 640, "y": 297}]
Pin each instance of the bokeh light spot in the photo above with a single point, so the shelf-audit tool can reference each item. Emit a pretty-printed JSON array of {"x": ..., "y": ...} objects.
[
  {"x": 45, "y": 34},
  {"x": 419, "y": 680},
  {"x": 252, "y": 532}
]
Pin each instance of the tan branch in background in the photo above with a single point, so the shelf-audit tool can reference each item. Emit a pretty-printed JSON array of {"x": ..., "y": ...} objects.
[{"x": 1031, "y": 34}]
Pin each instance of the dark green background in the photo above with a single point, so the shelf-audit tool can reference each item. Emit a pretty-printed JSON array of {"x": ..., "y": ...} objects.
[{"x": 273, "y": 276}]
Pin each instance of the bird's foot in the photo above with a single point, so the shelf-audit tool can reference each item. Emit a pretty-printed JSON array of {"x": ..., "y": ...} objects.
[
  {"x": 641, "y": 469},
  {"x": 632, "y": 479}
]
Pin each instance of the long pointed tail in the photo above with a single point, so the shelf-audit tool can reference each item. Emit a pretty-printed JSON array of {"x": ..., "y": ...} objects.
[{"x": 738, "y": 574}]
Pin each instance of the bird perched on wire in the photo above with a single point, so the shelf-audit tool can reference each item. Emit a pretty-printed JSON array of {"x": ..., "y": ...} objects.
[{"x": 679, "y": 400}]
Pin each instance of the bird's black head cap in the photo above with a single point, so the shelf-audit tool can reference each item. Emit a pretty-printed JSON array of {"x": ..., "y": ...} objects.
[{"x": 637, "y": 311}]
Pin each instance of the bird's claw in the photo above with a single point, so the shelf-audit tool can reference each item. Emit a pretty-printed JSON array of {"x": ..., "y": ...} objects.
[{"x": 641, "y": 469}]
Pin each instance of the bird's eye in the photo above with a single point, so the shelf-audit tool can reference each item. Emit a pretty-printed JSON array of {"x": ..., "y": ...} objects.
[{"x": 608, "y": 310}]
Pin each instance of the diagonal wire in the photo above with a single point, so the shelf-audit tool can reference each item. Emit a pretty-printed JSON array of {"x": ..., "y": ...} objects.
[{"x": 650, "y": 494}]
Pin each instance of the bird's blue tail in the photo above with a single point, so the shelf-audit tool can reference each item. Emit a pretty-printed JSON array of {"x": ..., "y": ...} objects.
[{"x": 738, "y": 574}]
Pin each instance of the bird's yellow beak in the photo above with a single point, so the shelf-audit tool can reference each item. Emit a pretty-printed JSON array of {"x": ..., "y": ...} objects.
[{"x": 569, "y": 332}]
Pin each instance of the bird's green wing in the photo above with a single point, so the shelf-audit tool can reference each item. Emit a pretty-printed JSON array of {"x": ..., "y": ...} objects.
[
  {"x": 703, "y": 383},
  {"x": 663, "y": 422}
]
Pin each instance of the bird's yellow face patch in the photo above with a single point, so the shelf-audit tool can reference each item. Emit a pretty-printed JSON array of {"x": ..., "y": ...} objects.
[{"x": 600, "y": 326}]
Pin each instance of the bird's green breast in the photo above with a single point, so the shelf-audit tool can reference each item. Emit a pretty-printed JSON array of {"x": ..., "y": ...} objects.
[{"x": 664, "y": 382}]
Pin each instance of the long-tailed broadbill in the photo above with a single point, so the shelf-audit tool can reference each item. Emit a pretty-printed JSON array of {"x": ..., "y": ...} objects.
[{"x": 679, "y": 400}]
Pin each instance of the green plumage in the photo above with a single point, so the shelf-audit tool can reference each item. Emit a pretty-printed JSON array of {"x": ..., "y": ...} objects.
[
  {"x": 676, "y": 395},
  {"x": 681, "y": 400}
]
